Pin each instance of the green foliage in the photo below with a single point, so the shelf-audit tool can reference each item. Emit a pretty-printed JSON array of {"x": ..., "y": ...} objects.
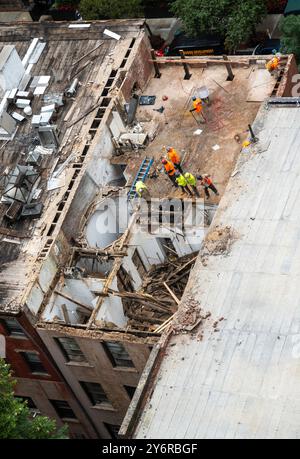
[
  {"x": 290, "y": 38},
  {"x": 15, "y": 420},
  {"x": 109, "y": 9},
  {"x": 233, "y": 20}
]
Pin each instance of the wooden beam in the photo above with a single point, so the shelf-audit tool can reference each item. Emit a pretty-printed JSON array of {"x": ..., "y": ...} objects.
[
  {"x": 87, "y": 54},
  {"x": 154, "y": 61},
  {"x": 79, "y": 70},
  {"x": 85, "y": 114},
  {"x": 65, "y": 313},
  {"x": 164, "y": 325},
  {"x": 228, "y": 68},
  {"x": 171, "y": 293},
  {"x": 177, "y": 271},
  {"x": 67, "y": 297},
  {"x": 98, "y": 253},
  {"x": 187, "y": 74},
  {"x": 196, "y": 61}
]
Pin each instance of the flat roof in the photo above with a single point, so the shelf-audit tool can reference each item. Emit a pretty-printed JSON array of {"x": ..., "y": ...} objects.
[
  {"x": 233, "y": 106},
  {"x": 237, "y": 374},
  {"x": 61, "y": 60}
]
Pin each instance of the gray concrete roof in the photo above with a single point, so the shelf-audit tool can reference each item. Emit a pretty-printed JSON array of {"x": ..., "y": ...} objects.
[{"x": 243, "y": 381}]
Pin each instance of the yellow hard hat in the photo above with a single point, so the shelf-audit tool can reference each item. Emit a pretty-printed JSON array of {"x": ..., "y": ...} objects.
[{"x": 246, "y": 143}]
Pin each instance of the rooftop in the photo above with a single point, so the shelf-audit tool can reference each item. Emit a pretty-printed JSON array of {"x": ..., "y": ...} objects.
[
  {"x": 235, "y": 375},
  {"x": 233, "y": 106},
  {"x": 61, "y": 52}
]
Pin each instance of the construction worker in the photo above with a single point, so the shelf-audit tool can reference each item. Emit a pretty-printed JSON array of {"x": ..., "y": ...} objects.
[
  {"x": 180, "y": 179},
  {"x": 192, "y": 181},
  {"x": 198, "y": 107},
  {"x": 174, "y": 157},
  {"x": 170, "y": 171},
  {"x": 207, "y": 183},
  {"x": 274, "y": 63},
  {"x": 142, "y": 190}
]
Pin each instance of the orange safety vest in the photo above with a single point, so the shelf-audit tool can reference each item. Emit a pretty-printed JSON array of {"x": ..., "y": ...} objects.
[
  {"x": 169, "y": 168},
  {"x": 174, "y": 156},
  {"x": 197, "y": 105},
  {"x": 207, "y": 181},
  {"x": 273, "y": 64}
]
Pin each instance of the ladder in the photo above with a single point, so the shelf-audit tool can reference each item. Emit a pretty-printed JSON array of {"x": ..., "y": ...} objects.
[{"x": 141, "y": 175}]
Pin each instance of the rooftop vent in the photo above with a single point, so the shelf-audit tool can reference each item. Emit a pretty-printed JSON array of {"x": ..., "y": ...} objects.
[{"x": 18, "y": 184}]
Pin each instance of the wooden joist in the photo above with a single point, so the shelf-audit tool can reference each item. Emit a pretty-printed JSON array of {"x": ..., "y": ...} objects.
[
  {"x": 78, "y": 303},
  {"x": 195, "y": 61},
  {"x": 87, "y": 253}
]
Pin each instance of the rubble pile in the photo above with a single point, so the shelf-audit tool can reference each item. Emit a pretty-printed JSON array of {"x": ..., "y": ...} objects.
[{"x": 219, "y": 241}]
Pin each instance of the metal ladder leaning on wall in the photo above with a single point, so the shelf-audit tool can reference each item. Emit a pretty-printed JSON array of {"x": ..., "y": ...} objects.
[{"x": 141, "y": 175}]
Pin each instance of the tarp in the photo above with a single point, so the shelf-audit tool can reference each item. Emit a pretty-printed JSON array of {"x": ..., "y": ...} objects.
[{"x": 292, "y": 7}]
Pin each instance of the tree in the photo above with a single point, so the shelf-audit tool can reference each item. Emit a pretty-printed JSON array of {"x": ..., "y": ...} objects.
[
  {"x": 110, "y": 9},
  {"x": 290, "y": 38},
  {"x": 233, "y": 20},
  {"x": 15, "y": 420}
]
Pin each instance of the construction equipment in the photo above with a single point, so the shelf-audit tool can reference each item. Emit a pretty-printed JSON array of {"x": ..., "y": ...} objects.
[{"x": 140, "y": 176}]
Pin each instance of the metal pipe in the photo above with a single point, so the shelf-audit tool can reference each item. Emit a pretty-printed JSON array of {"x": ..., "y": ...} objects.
[
  {"x": 253, "y": 138},
  {"x": 72, "y": 89}
]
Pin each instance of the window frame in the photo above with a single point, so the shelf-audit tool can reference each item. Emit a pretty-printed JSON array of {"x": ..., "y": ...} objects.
[
  {"x": 41, "y": 371},
  {"x": 57, "y": 408},
  {"x": 65, "y": 353},
  {"x": 3, "y": 321},
  {"x": 113, "y": 359},
  {"x": 85, "y": 385},
  {"x": 140, "y": 266},
  {"x": 30, "y": 403}
]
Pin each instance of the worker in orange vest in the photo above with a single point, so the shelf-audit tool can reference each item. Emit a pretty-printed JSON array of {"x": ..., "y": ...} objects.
[
  {"x": 174, "y": 157},
  {"x": 198, "y": 107},
  {"x": 170, "y": 171},
  {"x": 207, "y": 183},
  {"x": 274, "y": 63}
]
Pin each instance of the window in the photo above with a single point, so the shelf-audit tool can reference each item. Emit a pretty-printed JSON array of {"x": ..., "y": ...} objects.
[
  {"x": 138, "y": 262},
  {"x": 113, "y": 430},
  {"x": 30, "y": 403},
  {"x": 33, "y": 361},
  {"x": 124, "y": 279},
  {"x": 118, "y": 355},
  {"x": 63, "y": 409},
  {"x": 95, "y": 392},
  {"x": 168, "y": 247},
  {"x": 13, "y": 327},
  {"x": 130, "y": 391},
  {"x": 70, "y": 349}
]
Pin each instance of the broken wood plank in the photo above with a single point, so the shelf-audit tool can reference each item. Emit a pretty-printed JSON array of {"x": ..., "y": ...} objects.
[
  {"x": 177, "y": 271},
  {"x": 171, "y": 293},
  {"x": 164, "y": 325},
  {"x": 196, "y": 61},
  {"x": 144, "y": 319},
  {"x": 85, "y": 252},
  {"x": 91, "y": 109},
  {"x": 79, "y": 70},
  {"x": 87, "y": 54},
  {"x": 67, "y": 297},
  {"x": 65, "y": 313},
  {"x": 14, "y": 233},
  {"x": 154, "y": 304}
]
